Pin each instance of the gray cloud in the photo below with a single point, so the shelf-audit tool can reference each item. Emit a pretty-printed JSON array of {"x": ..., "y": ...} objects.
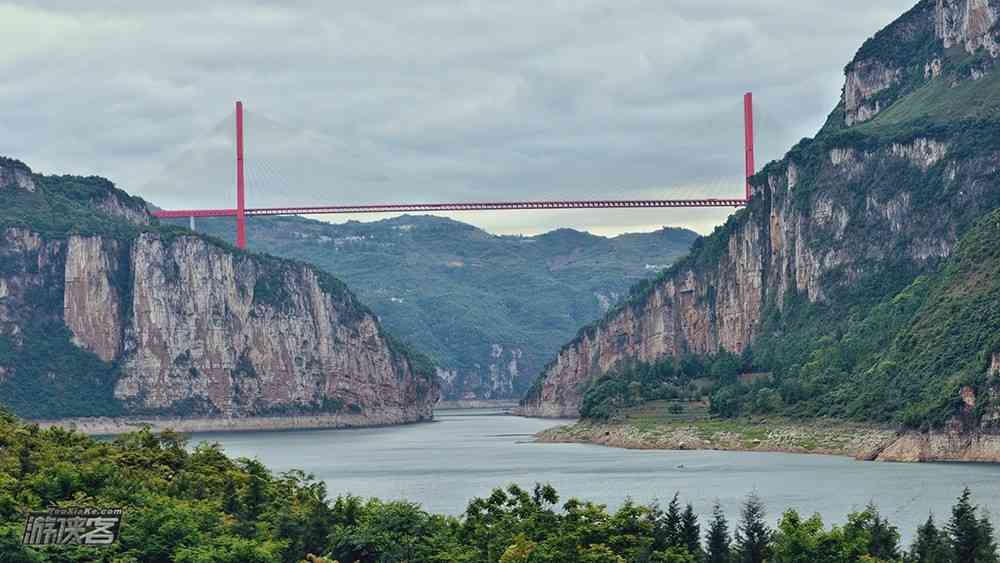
[{"x": 383, "y": 100}]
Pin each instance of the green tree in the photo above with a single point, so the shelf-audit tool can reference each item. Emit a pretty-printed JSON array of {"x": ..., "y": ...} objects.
[
  {"x": 931, "y": 544},
  {"x": 673, "y": 555},
  {"x": 672, "y": 522},
  {"x": 971, "y": 538},
  {"x": 598, "y": 553},
  {"x": 868, "y": 534},
  {"x": 11, "y": 550},
  {"x": 753, "y": 536},
  {"x": 230, "y": 498},
  {"x": 805, "y": 541},
  {"x": 520, "y": 551},
  {"x": 690, "y": 532},
  {"x": 717, "y": 540}
]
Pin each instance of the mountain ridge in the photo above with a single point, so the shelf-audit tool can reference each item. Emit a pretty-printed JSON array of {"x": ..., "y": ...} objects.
[
  {"x": 902, "y": 168},
  {"x": 487, "y": 308},
  {"x": 105, "y": 312}
]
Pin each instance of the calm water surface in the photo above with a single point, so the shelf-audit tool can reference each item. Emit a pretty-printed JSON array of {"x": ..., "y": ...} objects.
[{"x": 443, "y": 464}]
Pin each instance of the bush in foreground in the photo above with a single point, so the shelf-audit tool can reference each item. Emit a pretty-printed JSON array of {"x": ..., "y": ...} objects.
[{"x": 200, "y": 506}]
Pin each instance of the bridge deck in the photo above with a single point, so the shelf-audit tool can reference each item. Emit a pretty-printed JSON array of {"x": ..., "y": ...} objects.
[{"x": 483, "y": 206}]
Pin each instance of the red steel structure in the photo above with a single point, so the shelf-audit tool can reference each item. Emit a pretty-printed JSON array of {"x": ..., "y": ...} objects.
[
  {"x": 241, "y": 217},
  {"x": 241, "y": 212},
  {"x": 748, "y": 133}
]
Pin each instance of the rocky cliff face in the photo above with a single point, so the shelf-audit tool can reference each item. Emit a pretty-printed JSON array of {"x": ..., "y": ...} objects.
[
  {"x": 966, "y": 437},
  {"x": 199, "y": 329},
  {"x": 875, "y": 79},
  {"x": 489, "y": 309},
  {"x": 494, "y": 381},
  {"x": 836, "y": 212}
]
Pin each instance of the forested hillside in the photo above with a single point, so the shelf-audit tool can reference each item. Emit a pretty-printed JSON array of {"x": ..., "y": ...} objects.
[
  {"x": 927, "y": 356},
  {"x": 843, "y": 287}
]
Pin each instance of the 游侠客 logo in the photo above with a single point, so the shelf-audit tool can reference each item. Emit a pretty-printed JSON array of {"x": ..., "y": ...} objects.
[{"x": 73, "y": 526}]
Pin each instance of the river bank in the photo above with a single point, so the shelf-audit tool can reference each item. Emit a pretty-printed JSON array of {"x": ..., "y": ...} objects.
[
  {"x": 118, "y": 425},
  {"x": 831, "y": 437},
  {"x": 504, "y": 404}
]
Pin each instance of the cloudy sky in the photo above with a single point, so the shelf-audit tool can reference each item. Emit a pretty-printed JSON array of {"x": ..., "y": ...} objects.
[{"x": 419, "y": 101}]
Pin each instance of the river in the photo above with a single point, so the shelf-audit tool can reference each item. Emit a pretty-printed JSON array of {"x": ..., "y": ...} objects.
[{"x": 441, "y": 465}]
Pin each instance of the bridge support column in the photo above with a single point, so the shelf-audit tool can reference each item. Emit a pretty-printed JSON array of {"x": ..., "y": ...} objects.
[
  {"x": 192, "y": 222},
  {"x": 748, "y": 134},
  {"x": 241, "y": 218}
]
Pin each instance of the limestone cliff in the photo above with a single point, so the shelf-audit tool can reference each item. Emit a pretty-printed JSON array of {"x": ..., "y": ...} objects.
[
  {"x": 175, "y": 324},
  {"x": 902, "y": 168}
]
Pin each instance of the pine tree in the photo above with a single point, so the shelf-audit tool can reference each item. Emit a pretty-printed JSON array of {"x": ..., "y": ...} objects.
[
  {"x": 690, "y": 532},
  {"x": 753, "y": 536},
  {"x": 988, "y": 546},
  {"x": 717, "y": 538},
  {"x": 971, "y": 538},
  {"x": 655, "y": 519},
  {"x": 230, "y": 499},
  {"x": 672, "y": 523},
  {"x": 884, "y": 538},
  {"x": 931, "y": 545}
]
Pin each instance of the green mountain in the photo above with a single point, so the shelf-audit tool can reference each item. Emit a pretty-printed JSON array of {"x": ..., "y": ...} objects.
[
  {"x": 861, "y": 281},
  {"x": 106, "y": 312},
  {"x": 489, "y": 310}
]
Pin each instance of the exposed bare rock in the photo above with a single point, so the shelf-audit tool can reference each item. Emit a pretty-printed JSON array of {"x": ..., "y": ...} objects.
[
  {"x": 863, "y": 442},
  {"x": 967, "y": 23},
  {"x": 15, "y": 175},
  {"x": 943, "y": 446},
  {"x": 131, "y": 211},
  {"x": 495, "y": 379},
  {"x": 932, "y": 69},
  {"x": 864, "y": 80},
  {"x": 91, "y": 303},
  {"x": 878, "y": 76},
  {"x": 241, "y": 336},
  {"x": 775, "y": 246},
  {"x": 812, "y": 227},
  {"x": 922, "y": 152},
  {"x": 31, "y": 265},
  {"x": 117, "y": 425},
  {"x": 204, "y": 333}
]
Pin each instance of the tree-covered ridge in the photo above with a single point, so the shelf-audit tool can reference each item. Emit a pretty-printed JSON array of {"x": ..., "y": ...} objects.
[
  {"x": 848, "y": 354},
  {"x": 901, "y": 359},
  {"x": 199, "y": 506},
  {"x": 468, "y": 298}
]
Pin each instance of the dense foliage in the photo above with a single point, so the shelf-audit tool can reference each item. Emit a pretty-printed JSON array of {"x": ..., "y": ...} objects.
[
  {"x": 687, "y": 378},
  {"x": 901, "y": 359},
  {"x": 465, "y": 297},
  {"x": 895, "y": 338},
  {"x": 199, "y": 506}
]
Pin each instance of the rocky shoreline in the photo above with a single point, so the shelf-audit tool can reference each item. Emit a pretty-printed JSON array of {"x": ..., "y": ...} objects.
[
  {"x": 117, "y": 425},
  {"x": 862, "y": 442}
]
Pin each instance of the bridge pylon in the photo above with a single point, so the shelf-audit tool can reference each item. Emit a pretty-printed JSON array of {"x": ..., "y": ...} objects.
[{"x": 241, "y": 212}]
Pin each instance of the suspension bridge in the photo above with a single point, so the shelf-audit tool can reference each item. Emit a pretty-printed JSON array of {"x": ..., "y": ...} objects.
[{"x": 241, "y": 212}]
